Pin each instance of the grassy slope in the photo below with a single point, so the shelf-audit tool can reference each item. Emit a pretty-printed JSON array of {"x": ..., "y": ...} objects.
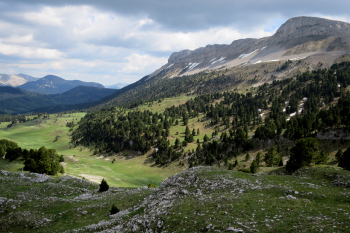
[
  {"x": 128, "y": 171},
  {"x": 204, "y": 199}
]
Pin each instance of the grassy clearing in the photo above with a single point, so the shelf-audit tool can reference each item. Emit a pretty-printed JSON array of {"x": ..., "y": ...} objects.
[
  {"x": 57, "y": 205},
  {"x": 165, "y": 103},
  {"x": 315, "y": 206},
  {"x": 130, "y": 171}
]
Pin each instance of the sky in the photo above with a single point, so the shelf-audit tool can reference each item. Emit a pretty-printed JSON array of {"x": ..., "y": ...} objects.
[{"x": 118, "y": 41}]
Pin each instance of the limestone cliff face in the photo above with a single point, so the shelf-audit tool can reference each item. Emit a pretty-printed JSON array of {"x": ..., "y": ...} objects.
[
  {"x": 295, "y": 32},
  {"x": 300, "y": 27}
]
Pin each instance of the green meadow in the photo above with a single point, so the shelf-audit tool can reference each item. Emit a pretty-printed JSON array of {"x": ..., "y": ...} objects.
[{"x": 128, "y": 169}]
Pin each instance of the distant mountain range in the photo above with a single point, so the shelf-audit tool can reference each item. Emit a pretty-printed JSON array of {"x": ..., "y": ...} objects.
[
  {"x": 51, "y": 84},
  {"x": 15, "y": 80},
  {"x": 17, "y": 101},
  {"x": 300, "y": 44},
  {"x": 118, "y": 85}
]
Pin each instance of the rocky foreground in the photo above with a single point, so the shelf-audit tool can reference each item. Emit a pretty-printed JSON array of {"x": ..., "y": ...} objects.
[{"x": 200, "y": 199}]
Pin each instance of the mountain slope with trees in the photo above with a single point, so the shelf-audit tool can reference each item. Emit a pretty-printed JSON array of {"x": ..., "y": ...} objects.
[
  {"x": 51, "y": 84},
  {"x": 17, "y": 101}
]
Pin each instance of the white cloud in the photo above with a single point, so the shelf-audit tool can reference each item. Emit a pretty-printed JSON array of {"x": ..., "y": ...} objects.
[
  {"x": 47, "y": 16},
  {"x": 138, "y": 63},
  {"x": 27, "y": 52}
]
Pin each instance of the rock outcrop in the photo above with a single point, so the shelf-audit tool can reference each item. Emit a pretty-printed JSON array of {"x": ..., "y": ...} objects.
[{"x": 297, "y": 38}]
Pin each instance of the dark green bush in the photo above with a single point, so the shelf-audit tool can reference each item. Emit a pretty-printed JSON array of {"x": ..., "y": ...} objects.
[{"x": 103, "y": 186}]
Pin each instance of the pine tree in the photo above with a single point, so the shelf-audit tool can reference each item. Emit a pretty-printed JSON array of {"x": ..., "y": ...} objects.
[
  {"x": 254, "y": 167},
  {"x": 247, "y": 157},
  {"x": 281, "y": 162},
  {"x": 104, "y": 186},
  {"x": 345, "y": 160},
  {"x": 258, "y": 158},
  {"x": 339, "y": 155},
  {"x": 114, "y": 209},
  {"x": 271, "y": 158}
]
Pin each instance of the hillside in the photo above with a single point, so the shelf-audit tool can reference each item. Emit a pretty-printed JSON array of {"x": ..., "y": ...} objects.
[
  {"x": 309, "y": 43},
  {"x": 247, "y": 137},
  {"x": 51, "y": 84},
  {"x": 300, "y": 44},
  {"x": 15, "y": 80},
  {"x": 17, "y": 101},
  {"x": 201, "y": 199}
]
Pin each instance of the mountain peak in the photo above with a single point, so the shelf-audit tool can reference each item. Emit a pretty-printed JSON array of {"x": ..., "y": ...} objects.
[{"x": 304, "y": 26}]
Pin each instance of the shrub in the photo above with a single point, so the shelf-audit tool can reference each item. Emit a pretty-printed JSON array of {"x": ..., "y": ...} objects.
[
  {"x": 104, "y": 186},
  {"x": 339, "y": 155},
  {"x": 271, "y": 158},
  {"x": 151, "y": 186},
  {"x": 61, "y": 158},
  {"x": 254, "y": 167},
  {"x": 246, "y": 170},
  {"x": 114, "y": 209},
  {"x": 345, "y": 160},
  {"x": 303, "y": 153},
  {"x": 230, "y": 166},
  {"x": 281, "y": 162}
]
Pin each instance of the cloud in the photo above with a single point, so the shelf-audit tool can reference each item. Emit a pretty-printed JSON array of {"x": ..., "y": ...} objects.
[
  {"x": 26, "y": 52},
  {"x": 127, "y": 40},
  {"x": 138, "y": 63}
]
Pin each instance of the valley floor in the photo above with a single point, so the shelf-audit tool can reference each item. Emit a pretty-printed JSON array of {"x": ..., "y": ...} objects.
[{"x": 127, "y": 171}]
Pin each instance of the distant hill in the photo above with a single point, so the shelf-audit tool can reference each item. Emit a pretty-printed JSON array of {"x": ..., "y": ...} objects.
[
  {"x": 118, "y": 85},
  {"x": 15, "y": 80},
  {"x": 17, "y": 101},
  {"x": 51, "y": 84}
]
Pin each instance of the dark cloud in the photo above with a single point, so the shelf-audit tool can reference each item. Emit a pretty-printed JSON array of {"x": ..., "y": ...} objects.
[{"x": 189, "y": 15}]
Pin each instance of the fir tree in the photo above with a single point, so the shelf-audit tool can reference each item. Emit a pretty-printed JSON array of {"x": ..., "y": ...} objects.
[
  {"x": 103, "y": 186},
  {"x": 254, "y": 167}
]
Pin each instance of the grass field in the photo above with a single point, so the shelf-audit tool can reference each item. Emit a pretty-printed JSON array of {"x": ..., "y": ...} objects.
[{"x": 126, "y": 171}]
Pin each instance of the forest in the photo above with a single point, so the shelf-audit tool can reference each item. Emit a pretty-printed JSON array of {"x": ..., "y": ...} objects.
[{"x": 294, "y": 108}]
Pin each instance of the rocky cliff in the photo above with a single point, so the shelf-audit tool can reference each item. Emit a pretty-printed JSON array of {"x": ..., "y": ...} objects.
[{"x": 297, "y": 38}]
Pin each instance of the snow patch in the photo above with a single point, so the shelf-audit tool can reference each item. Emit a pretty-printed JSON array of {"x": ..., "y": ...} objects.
[
  {"x": 169, "y": 66},
  {"x": 193, "y": 65},
  {"x": 273, "y": 60},
  {"x": 246, "y": 54},
  {"x": 293, "y": 114},
  {"x": 263, "y": 48},
  {"x": 220, "y": 60},
  {"x": 258, "y": 62},
  {"x": 305, "y": 98},
  {"x": 212, "y": 59}
]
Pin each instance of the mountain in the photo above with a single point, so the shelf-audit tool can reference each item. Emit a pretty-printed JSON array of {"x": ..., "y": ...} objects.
[
  {"x": 17, "y": 101},
  {"x": 15, "y": 80},
  {"x": 298, "y": 38},
  {"x": 300, "y": 44},
  {"x": 51, "y": 84},
  {"x": 118, "y": 85}
]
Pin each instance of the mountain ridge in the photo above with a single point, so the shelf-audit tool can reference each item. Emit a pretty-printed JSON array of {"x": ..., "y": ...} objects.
[
  {"x": 294, "y": 32},
  {"x": 15, "y": 80},
  {"x": 18, "y": 101},
  {"x": 51, "y": 84}
]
